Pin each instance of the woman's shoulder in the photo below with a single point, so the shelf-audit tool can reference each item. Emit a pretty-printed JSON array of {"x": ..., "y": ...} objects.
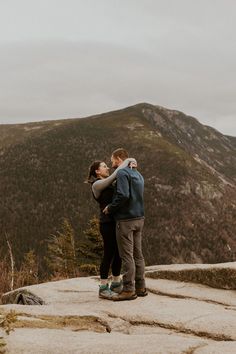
[{"x": 95, "y": 179}]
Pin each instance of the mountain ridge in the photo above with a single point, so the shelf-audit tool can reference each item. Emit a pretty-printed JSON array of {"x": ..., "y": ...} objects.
[{"x": 189, "y": 169}]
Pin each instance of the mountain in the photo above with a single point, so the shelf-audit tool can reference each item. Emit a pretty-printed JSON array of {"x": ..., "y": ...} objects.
[
  {"x": 189, "y": 171},
  {"x": 232, "y": 140}
]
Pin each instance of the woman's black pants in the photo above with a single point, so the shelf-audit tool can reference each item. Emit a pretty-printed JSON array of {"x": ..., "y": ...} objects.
[{"x": 111, "y": 257}]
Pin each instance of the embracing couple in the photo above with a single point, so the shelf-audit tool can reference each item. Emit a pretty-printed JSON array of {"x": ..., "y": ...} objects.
[{"x": 120, "y": 197}]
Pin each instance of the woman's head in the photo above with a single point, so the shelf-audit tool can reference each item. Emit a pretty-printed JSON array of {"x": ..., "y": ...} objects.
[{"x": 98, "y": 169}]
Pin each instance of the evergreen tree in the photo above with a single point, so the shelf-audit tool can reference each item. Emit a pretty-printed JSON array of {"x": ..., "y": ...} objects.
[
  {"x": 28, "y": 273},
  {"x": 61, "y": 252},
  {"x": 90, "y": 252}
]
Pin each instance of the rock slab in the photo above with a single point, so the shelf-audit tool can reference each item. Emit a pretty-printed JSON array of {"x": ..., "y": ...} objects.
[{"x": 176, "y": 317}]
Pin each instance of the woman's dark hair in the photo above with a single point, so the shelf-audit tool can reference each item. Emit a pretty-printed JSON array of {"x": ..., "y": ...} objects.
[{"x": 92, "y": 171}]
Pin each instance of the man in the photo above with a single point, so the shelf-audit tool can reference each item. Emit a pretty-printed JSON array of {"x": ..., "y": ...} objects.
[{"x": 127, "y": 209}]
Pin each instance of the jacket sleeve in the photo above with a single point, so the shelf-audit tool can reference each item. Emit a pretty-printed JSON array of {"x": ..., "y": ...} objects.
[
  {"x": 101, "y": 184},
  {"x": 122, "y": 193}
]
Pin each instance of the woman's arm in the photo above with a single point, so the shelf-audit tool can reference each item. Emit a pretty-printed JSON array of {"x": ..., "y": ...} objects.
[{"x": 101, "y": 184}]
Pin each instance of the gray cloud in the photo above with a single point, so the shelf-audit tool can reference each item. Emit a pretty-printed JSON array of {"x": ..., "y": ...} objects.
[{"x": 60, "y": 61}]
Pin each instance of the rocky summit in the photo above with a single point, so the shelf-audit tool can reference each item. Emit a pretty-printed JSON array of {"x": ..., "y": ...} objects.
[{"x": 186, "y": 311}]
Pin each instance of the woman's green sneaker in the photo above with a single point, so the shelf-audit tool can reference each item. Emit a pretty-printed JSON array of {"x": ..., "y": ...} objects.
[
  {"x": 105, "y": 292},
  {"x": 116, "y": 286}
]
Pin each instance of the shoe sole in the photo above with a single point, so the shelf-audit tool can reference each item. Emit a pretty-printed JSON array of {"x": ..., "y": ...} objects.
[
  {"x": 142, "y": 295},
  {"x": 117, "y": 291},
  {"x": 105, "y": 297},
  {"x": 124, "y": 299}
]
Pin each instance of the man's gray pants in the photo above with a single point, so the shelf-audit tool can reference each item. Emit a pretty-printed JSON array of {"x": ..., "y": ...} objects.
[{"x": 129, "y": 240}]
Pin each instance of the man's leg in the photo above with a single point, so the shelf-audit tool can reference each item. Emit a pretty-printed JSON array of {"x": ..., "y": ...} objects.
[
  {"x": 138, "y": 255},
  {"x": 124, "y": 235}
]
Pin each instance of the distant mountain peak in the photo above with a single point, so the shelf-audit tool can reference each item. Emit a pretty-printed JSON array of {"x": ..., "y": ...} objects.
[{"x": 189, "y": 170}]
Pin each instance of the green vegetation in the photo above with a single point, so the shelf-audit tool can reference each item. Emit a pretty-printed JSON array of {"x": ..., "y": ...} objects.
[
  {"x": 61, "y": 259},
  {"x": 190, "y": 212},
  {"x": 90, "y": 251}
]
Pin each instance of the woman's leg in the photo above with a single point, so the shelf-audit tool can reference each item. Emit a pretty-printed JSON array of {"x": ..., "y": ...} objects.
[
  {"x": 107, "y": 230},
  {"x": 116, "y": 262},
  {"x": 116, "y": 284}
]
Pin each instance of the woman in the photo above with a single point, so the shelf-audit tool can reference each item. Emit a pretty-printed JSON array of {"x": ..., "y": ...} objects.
[{"x": 102, "y": 189}]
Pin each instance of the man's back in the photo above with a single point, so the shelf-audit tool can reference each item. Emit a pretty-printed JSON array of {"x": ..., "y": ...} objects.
[{"x": 127, "y": 202}]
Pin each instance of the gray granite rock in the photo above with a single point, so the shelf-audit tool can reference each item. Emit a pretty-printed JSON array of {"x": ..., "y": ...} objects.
[
  {"x": 21, "y": 297},
  {"x": 176, "y": 317}
]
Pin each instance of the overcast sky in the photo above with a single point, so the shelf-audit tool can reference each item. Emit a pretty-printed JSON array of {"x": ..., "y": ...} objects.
[{"x": 74, "y": 58}]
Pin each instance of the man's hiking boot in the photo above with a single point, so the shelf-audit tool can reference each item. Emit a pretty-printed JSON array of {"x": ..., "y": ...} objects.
[
  {"x": 105, "y": 292},
  {"x": 141, "y": 292},
  {"x": 125, "y": 295},
  {"x": 116, "y": 286}
]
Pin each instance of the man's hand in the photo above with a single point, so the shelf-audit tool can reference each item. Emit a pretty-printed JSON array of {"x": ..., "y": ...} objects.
[
  {"x": 133, "y": 165},
  {"x": 105, "y": 211}
]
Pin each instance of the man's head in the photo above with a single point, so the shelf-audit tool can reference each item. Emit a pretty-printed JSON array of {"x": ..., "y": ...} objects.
[{"x": 118, "y": 156}]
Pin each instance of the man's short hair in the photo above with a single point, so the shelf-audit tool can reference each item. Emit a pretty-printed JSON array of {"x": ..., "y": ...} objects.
[{"x": 121, "y": 153}]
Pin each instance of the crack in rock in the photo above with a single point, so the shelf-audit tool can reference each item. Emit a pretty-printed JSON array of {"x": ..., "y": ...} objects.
[
  {"x": 230, "y": 308},
  {"x": 214, "y": 302},
  {"x": 202, "y": 334},
  {"x": 75, "y": 291},
  {"x": 191, "y": 350}
]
